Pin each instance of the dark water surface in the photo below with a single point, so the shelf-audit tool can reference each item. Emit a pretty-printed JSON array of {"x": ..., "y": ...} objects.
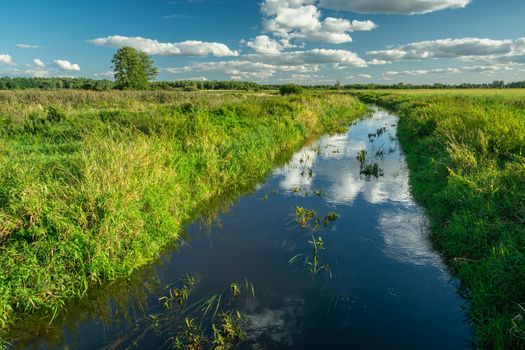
[{"x": 379, "y": 285}]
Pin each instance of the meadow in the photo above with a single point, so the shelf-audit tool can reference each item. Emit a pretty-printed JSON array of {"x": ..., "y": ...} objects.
[
  {"x": 94, "y": 185},
  {"x": 465, "y": 150}
]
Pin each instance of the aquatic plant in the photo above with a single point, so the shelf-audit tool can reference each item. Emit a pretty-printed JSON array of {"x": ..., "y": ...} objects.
[
  {"x": 361, "y": 157},
  {"x": 304, "y": 216},
  {"x": 381, "y": 131},
  {"x": 380, "y": 153},
  {"x": 372, "y": 170},
  {"x": 313, "y": 263},
  {"x": 330, "y": 217}
]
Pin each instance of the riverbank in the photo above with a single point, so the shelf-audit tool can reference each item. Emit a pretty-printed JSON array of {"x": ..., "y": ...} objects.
[
  {"x": 466, "y": 158},
  {"x": 94, "y": 185}
]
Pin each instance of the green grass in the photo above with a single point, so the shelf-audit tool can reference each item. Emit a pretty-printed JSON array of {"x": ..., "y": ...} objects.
[
  {"x": 466, "y": 154},
  {"x": 94, "y": 185}
]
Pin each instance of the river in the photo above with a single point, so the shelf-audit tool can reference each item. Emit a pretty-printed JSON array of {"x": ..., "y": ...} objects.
[{"x": 374, "y": 282}]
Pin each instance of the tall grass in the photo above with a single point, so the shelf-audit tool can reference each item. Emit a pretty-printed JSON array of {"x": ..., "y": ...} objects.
[
  {"x": 94, "y": 185},
  {"x": 466, "y": 154}
]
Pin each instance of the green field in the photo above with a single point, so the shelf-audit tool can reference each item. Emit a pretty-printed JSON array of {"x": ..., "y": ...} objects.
[
  {"x": 466, "y": 154},
  {"x": 94, "y": 185}
]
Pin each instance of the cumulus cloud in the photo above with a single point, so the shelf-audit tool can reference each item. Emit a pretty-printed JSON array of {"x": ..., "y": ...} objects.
[
  {"x": 263, "y": 66},
  {"x": 6, "y": 59},
  {"x": 66, "y": 65},
  {"x": 301, "y": 19},
  {"x": 106, "y": 75},
  {"x": 263, "y": 44},
  {"x": 376, "y": 62},
  {"x": 361, "y": 76},
  {"x": 154, "y": 47},
  {"x": 196, "y": 79},
  {"x": 343, "y": 58},
  {"x": 38, "y": 62},
  {"x": 446, "y": 48},
  {"x": 35, "y": 73},
  {"x": 455, "y": 70},
  {"x": 238, "y": 69},
  {"x": 405, "y": 7}
]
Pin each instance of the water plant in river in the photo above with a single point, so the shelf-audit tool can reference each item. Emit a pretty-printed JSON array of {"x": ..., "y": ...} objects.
[
  {"x": 372, "y": 170},
  {"x": 330, "y": 217},
  {"x": 361, "y": 157},
  {"x": 211, "y": 322},
  {"x": 317, "y": 245},
  {"x": 179, "y": 295},
  {"x": 304, "y": 216},
  {"x": 380, "y": 153}
]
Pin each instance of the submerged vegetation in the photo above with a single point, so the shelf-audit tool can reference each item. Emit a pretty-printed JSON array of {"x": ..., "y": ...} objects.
[
  {"x": 304, "y": 218},
  {"x": 94, "y": 185},
  {"x": 466, "y": 154}
]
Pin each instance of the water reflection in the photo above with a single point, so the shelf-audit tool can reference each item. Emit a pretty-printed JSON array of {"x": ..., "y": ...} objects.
[
  {"x": 404, "y": 236},
  {"x": 342, "y": 179}
]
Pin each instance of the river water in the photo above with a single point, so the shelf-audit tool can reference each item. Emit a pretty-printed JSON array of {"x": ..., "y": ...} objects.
[{"x": 374, "y": 283}]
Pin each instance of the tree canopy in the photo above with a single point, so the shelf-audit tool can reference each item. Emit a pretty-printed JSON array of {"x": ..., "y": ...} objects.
[{"x": 133, "y": 69}]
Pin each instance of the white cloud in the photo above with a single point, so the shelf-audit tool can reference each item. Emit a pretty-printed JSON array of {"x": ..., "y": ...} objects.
[
  {"x": 362, "y": 76},
  {"x": 28, "y": 46},
  {"x": 264, "y": 66},
  {"x": 342, "y": 58},
  {"x": 235, "y": 69},
  {"x": 196, "y": 79},
  {"x": 154, "y": 47},
  {"x": 455, "y": 70},
  {"x": 66, "y": 65},
  {"x": 38, "y": 73},
  {"x": 38, "y": 62},
  {"x": 406, "y": 7},
  {"x": 301, "y": 19},
  {"x": 362, "y": 26},
  {"x": 446, "y": 48},
  {"x": 376, "y": 62},
  {"x": 263, "y": 44},
  {"x": 106, "y": 75},
  {"x": 6, "y": 59}
]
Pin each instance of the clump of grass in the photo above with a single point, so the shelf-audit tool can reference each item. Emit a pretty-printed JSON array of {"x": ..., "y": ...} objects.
[
  {"x": 465, "y": 150},
  {"x": 304, "y": 216},
  {"x": 330, "y": 217},
  {"x": 372, "y": 170},
  {"x": 361, "y": 157},
  {"x": 290, "y": 89},
  {"x": 317, "y": 245}
]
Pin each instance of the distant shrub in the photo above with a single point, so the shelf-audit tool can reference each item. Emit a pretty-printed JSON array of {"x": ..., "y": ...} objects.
[
  {"x": 190, "y": 88},
  {"x": 290, "y": 89}
]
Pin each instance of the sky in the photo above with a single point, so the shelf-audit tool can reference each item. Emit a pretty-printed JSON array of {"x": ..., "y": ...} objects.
[{"x": 270, "y": 41}]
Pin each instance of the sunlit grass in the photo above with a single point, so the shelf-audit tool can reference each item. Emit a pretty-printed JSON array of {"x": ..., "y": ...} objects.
[{"x": 94, "y": 185}]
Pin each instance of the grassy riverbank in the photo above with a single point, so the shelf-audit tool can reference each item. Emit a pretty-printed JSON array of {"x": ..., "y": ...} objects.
[
  {"x": 466, "y": 154},
  {"x": 94, "y": 185}
]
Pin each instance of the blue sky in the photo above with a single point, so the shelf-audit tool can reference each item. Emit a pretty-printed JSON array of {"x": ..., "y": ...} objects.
[{"x": 270, "y": 41}]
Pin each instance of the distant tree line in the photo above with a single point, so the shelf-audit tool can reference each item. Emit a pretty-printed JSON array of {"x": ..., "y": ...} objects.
[{"x": 19, "y": 83}]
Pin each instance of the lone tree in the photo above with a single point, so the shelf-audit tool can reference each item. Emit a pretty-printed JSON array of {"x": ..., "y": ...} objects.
[{"x": 133, "y": 69}]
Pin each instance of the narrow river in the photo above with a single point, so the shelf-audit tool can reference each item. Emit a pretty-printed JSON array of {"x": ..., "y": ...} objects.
[{"x": 374, "y": 282}]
